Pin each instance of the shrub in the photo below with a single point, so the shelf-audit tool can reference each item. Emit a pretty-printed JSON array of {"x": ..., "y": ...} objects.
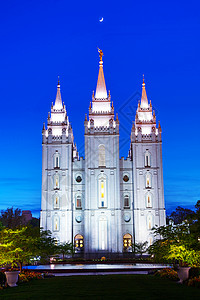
[
  {"x": 167, "y": 273},
  {"x": 194, "y": 282},
  {"x": 26, "y": 276},
  {"x": 2, "y": 278},
  {"x": 194, "y": 272}
]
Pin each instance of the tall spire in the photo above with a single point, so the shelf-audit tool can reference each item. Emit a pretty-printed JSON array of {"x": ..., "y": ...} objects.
[
  {"x": 144, "y": 100},
  {"x": 58, "y": 102},
  {"x": 101, "y": 92}
]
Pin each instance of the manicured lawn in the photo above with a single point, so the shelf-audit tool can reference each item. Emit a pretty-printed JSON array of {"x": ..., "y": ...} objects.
[{"x": 102, "y": 287}]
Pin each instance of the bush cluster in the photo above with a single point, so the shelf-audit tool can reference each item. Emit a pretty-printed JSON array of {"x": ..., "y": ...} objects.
[{"x": 167, "y": 273}]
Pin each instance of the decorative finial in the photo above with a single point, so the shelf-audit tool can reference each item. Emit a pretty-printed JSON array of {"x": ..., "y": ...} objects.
[
  {"x": 90, "y": 105},
  {"x": 143, "y": 83},
  {"x": 100, "y": 54},
  {"x": 112, "y": 105},
  {"x": 43, "y": 129},
  {"x": 85, "y": 117},
  {"x": 58, "y": 85}
]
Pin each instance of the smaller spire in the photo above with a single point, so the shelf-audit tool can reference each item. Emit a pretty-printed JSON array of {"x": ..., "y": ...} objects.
[
  {"x": 117, "y": 120},
  {"x": 43, "y": 128},
  {"x": 85, "y": 117},
  {"x": 159, "y": 127},
  {"x": 144, "y": 100}
]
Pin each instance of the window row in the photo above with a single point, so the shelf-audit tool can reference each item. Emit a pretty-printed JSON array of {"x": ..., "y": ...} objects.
[
  {"x": 78, "y": 199},
  {"x": 56, "y": 201}
]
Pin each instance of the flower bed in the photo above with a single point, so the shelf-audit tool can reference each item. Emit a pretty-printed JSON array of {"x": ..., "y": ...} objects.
[
  {"x": 26, "y": 276},
  {"x": 167, "y": 273},
  {"x": 194, "y": 282}
]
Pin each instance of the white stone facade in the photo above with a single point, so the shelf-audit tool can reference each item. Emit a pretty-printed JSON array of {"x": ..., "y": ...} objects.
[{"x": 102, "y": 204}]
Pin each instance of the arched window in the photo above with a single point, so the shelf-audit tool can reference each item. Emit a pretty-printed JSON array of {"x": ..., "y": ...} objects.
[
  {"x": 148, "y": 200},
  {"x": 56, "y": 202},
  {"x": 150, "y": 240},
  {"x": 56, "y": 223},
  {"x": 127, "y": 243},
  {"x": 78, "y": 242},
  {"x": 56, "y": 181},
  {"x": 149, "y": 222},
  {"x": 126, "y": 201},
  {"x": 148, "y": 180},
  {"x": 78, "y": 201},
  {"x": 147, "y": 159},
  {"x": 102, "y": 186},
  {"x": 102, "y": 157},
  {"x": 56, "y": 160}
]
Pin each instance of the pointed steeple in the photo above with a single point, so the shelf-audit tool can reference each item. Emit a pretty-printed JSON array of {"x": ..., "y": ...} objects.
[
  {"x": 101, "y": 92},
  {"x": 58, "y": 102},
  {"x": 144, "y": 100}
]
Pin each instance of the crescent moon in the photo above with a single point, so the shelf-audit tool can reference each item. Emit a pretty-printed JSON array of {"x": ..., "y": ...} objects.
[{"x": 101, "y": 20}]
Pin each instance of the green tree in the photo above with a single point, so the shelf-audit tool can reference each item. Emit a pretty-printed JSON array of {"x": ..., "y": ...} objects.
[
  {"x": 166, "y": 236},
  {"x": 65, "y": 249},
  {"x": 181, "y": 215},
  {"x": 11, "y": 218},
  {"x": 46, "y": 245},
  {"x": 16, "y": 247},
  {"x": 140, "y": 248}
]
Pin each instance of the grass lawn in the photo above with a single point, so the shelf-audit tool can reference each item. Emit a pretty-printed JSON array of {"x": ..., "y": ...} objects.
[{"x": 102, "y": 287}]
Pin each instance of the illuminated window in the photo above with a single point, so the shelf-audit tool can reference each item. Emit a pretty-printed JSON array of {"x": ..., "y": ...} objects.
[
  {"x": 126, "y": 201},
  {"x": 147, "y": 159},
  {"x": 56, "y": 181},
  {"x": 78, "y": 242},
  {"x": 148, "y": 180},
  {"x": 56, "y": 160},
  {"x": 56, "y": 204},
  {"x": 78, "y": 202},
  {"x": 102, "y": 157},
  {"x": 56, "y": 223},
  {"x": 127, "y": 242},
  {"x": 102, "y": 192},
  {"x": 149, "y": 222},
  {"x": 148, "y": 200}
]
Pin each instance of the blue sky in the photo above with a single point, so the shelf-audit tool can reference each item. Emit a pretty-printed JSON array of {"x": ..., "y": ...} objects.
[{"x": 43, "y": 39}]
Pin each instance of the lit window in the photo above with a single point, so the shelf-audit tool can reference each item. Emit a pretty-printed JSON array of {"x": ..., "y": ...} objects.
[
  {"x": 56, "y": 181},
  {"x": 102, "y": 158},
  {"x": 149, "y": 222},
  {"x": 148, "y": 200},
  {"x": 102, "y": 192},
  {"x": 126, "y": 201},
  {"x": 127, "y": 242},
  {"x": 56, "y": 223},
  {"x": 78, "y": 202},
  {"x": 56, "y": 201},
  {"x": 148, "y": 180},
  {"x": 78, "y": 241}
]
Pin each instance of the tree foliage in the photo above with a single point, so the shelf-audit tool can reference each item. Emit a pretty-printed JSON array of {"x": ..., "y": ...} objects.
[
  {"x": 11, "y": 218},
  {"x": 181, "y": 214},
  {"x": 16, "y": 247},
  {"x": 65, "y": 249}
]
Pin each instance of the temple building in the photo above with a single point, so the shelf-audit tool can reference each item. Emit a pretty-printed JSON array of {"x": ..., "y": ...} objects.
[{"x": 101, "y": 203}]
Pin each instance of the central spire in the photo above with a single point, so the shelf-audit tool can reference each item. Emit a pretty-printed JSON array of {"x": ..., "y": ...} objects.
[
  {"x": 58, "y": 102},
  {"x": 101, "y": 92},
  {"x": 144, "y": 100}
]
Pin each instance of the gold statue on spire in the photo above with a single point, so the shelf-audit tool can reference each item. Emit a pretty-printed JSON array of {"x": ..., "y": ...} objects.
[{"x": 100, "y": 54}]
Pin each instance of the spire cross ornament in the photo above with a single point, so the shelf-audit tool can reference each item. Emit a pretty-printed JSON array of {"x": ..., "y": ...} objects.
[{"x": 100, "y": 54}]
